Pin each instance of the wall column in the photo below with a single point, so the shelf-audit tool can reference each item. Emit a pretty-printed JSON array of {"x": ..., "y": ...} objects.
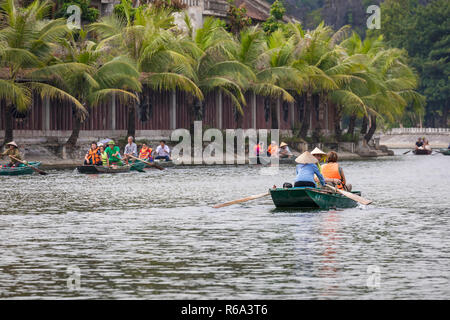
[
  {"x": 46, "y": 116},
  {"x": 292, "y": 112},
  {"x": 173, "y": 111},
  {"x": 113, "y": 112},
  {"x": 278, "y": 113},
  {"x": 253, "y": 110},
  {"x": 219, "y": 112}
]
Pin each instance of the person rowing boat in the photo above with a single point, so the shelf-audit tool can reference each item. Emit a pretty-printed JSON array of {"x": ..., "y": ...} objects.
[
  {"x": 113, "y": 153},
  {"x": 12, "y": 151},
  {"x": 305, "y": 171}
]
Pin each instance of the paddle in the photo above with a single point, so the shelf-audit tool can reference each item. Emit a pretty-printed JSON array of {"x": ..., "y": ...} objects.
[
  {"x": 407, "y": 152},
  {"x": 241, "y": 200},
  {"x": 351, "y": 195},
  {"x": 35, "y": 169},
  {"x": 149, "y": 163}
]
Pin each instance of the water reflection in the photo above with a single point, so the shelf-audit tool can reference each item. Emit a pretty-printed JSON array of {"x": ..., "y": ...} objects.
[{"x": 156, "y": 235}]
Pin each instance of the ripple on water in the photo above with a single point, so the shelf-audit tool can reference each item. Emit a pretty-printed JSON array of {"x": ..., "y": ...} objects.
[{"x": 155, "y": 235}]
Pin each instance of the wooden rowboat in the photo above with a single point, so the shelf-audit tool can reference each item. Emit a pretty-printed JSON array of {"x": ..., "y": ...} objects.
[
  {"x": 20, "y": 170},
  {"x": 310, "y": 198},
  {"x": 102, "y": 169},
  {"x": 445, "y": 152},
  {"x": 422, "y": 152},
  {"x": 161, "y": 163}
]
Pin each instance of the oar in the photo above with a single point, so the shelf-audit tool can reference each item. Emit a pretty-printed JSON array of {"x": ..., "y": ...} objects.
[
  {"x": 241, "y": 200},
  {"x": 149, "y": 163},
  {"x": 407, "y": 152},
  {"x": 351, "y": 195},
  {"x": 35, "y": 169}
]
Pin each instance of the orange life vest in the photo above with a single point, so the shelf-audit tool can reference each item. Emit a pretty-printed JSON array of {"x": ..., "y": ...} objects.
[
  {"x": 145, "y": 153},
  {"x": 272, "y": 149},
  {"x": 257, "y": 149},
  {"x": 331, "y": 171},
  {"x": 95, "y": 156}
]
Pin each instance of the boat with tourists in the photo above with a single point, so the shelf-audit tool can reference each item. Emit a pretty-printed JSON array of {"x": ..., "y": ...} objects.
[
  {"x": 311, "y": 198},
  {"x": 422, "y": 152},
  {"x": 19, "y": 170},
  {"x": 89, "y": 169}
]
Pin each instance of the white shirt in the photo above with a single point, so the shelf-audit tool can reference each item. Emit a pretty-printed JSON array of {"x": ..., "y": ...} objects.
[{"x": 163, "y": 151}]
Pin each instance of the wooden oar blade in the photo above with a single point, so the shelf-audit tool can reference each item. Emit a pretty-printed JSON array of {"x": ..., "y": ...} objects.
[
  {"x": 355, "y": 197},
  {"x": 352, "y": 196},
  {"x": 149, "y": 163},
  {"x": 407, "y": 152},
  {"x": 240, "y": 200}
]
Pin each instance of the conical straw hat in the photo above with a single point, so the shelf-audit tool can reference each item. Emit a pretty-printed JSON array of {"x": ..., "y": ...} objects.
[
  {"x": 317, "y": 151},
  {"x": 12, "y": 143},
  {"x": 306, "y": 158},
  {"x": 283, "y": 144}
]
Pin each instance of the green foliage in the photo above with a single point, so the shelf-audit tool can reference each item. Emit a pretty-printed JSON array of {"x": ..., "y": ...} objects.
[
  {"x": 275, "y": 20},
  {"x": 88, "y": 14},
  {"x": 237, "y": 18},
  {"x": 424, "y": 31}
]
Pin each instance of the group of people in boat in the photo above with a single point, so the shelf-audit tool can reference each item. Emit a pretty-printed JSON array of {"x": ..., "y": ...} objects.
[
  {"x": 317, "y": 167},
  {"x": 273, "y": 150},
  {"x": 12, "y": 151},
  {"x": 109, "y": 155},
  {"x": 422, "y": 144}
]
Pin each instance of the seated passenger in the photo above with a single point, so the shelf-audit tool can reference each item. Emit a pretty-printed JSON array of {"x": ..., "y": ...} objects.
[
  {"x": 146, "y": 153},
  {"x": 163, "y": 151},
  {"x": 93, "y": 157},
  {"x": 332, "y": 170},
  {"x": 305, "y": 170},
  {"x": 272, "y": 150},
  {"x": 113, "y": 153},
  {"x": 103, "y": 155},
  {"x": 284, "y": 151}
]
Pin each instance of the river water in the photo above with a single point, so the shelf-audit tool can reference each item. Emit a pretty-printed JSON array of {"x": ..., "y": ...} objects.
[{"x": 155, "y": 235}]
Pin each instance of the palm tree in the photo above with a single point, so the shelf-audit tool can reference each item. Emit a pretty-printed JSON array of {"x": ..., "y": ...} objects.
[
  {"x": 27, "y": 41},
  {"x": 97, "y": 77},
  {"x": 151, "y": 42}
]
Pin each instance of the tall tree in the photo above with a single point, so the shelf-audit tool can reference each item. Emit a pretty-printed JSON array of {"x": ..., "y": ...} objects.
[{"x": 27, "y": 41}]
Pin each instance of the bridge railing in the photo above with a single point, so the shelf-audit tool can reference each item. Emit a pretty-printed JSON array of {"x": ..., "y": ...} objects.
[{"x": 417, "y": 130}]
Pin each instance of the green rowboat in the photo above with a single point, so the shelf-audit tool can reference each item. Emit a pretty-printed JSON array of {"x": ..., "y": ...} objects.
[
  {"x": 445, "y": 152},
  {"x": 101, "y": 169},
  {"x": 20, "y": 170},
  {"x": 310, "y": 198}
]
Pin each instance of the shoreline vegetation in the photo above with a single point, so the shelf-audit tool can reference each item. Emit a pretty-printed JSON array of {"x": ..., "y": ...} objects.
[{"x": 367, "y": 83}]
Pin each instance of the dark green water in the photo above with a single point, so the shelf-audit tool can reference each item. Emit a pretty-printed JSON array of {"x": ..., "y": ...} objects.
[{"x": 155, "y": 236}]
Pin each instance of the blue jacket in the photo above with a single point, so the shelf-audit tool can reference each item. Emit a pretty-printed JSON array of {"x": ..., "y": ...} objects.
[{"x": 305, "y": 172}]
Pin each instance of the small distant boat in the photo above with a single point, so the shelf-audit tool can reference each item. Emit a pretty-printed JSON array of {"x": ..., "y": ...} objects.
[
  {"x": 268, "y": 160},
  {"x": 310, "y": 198},
  {"x": 101, "y": 169},
  {"x": 159, "y": 162},
  {"x": 422, "y": 152},
  {"x": 445, "y": 152},
  {"x": 20, "y": 170}
]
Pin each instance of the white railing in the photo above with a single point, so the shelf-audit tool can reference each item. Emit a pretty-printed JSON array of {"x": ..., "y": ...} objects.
[
  {"x": 191, "y": 3},
  {"x": 417, "y": 130}
]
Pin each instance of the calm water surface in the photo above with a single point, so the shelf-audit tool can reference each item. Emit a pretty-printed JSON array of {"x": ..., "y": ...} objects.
[{"x": 154, "y": 235}]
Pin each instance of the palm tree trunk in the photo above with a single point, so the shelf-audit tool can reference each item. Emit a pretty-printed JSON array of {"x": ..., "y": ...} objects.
[
  {"x": 306, "y": 115},
  {"x": 373, "y": 127},
  {"x": 76, "y": 127},
  {"x": 337, "y": 123},
  {"x": 364, "y": 125},
  {"x": 131, "y": 121},
  {"x": 351, "y": 124},
  {"x": 9, "y": 125}
]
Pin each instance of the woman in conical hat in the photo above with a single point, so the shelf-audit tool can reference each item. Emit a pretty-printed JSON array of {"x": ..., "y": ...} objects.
[
  {"x": 12, "y": 149},
  {"x": 305, "y": 171},
  {"x": 320, "y": 156},
  {"x": 284, "y": 150}
]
